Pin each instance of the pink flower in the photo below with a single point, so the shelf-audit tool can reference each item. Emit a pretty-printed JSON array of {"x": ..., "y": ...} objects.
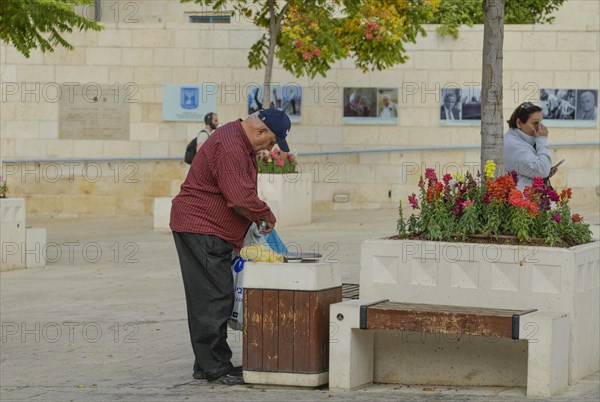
[
  {"x": 279, "y": 162},
  {"x": 556, "y": 218},
  {"x": 553, "y": 195},
  {"x": 538, "y": 183},
  {"x": 413, "y": 201},
  {"x": 468, "y": 203},
  {"x": 447, "y": 177},
  {"x": 430, "y": 174}
]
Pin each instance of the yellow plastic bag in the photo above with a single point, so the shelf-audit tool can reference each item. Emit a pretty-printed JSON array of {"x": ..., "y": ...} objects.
[{"x": 260, "y": 253}]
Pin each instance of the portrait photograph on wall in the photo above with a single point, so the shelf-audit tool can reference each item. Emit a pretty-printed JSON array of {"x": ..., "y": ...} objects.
[
  {"x": 569, "y": 107},
  {"x": 283, "y": 97},
  {"x": 387, "y": 105},
  {"x": 370, "y": 106},
  {"x": 460, "y": 106}
]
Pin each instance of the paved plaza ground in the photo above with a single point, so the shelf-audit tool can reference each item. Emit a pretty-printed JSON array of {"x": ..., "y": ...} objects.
[{"x": 106, "y": 318}]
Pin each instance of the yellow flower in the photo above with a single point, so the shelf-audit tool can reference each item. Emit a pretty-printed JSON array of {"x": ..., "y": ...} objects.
[
  {"x": 490, "y": 169},
  {"x": 458, "y": 177}
]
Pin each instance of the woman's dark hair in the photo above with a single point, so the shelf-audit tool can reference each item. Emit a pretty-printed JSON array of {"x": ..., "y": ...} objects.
[{"x": 522, "y": 112}]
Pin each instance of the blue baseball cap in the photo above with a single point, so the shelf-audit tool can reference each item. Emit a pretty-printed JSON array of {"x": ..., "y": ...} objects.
[{"x": 279, "y": 123}]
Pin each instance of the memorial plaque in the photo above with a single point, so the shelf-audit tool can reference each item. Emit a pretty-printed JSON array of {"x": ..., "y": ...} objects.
[{"x": 94, "y": 112}]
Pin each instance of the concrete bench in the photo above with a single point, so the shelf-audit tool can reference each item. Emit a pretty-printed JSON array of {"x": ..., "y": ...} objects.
[{"x": 351, "y": 358}]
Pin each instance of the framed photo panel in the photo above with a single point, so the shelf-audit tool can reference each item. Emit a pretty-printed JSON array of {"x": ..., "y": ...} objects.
[
  {"x": 460, "y": 106},
  {"x": 370, "y": 106},
  {"x": 283, "y": 97},
  {"x": 569, "y": 107}
]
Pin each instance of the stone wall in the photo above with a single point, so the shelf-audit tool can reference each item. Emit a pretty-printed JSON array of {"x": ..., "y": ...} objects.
[{"x": 162, "y": 47}]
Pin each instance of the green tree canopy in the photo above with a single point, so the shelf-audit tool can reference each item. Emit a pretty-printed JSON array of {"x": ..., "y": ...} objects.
[
  {"x": 39, "y": 24},
  {"x": 451, "y": 14},
  {"x": 307, "y": 36}
]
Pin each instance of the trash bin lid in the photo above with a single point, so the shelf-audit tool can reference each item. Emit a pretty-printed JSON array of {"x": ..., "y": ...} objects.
[{"x": 301, "y": 257}]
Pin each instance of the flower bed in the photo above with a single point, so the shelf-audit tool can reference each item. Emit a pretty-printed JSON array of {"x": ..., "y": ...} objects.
[{"x": 460, "y": 209}]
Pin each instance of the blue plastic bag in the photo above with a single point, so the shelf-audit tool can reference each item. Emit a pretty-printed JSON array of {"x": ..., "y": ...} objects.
[{"x": 236, "y": 320}]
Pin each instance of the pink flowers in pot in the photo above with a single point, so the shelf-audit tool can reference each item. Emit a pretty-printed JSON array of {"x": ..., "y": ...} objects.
[{"x": 276, "y": 161}]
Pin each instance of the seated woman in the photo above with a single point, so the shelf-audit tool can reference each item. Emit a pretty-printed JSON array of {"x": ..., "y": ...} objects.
[{"x": 526, "y": 145}]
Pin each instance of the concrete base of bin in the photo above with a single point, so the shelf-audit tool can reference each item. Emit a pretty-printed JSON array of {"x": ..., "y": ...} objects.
[{"x": 289, "y": 379}]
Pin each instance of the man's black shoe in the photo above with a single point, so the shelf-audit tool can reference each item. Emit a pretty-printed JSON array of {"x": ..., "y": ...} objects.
[
  {"x": 199, "y": 375},
  {"x": 229, "y": 379}
]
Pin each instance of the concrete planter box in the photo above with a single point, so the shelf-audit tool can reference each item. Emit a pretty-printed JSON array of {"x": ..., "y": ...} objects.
[
  {"x": 289, "y": 196},
  {"x": 12, "y": 227},
  {"x": 162, "y": 212},
  {"x": 553, "y": 280}
]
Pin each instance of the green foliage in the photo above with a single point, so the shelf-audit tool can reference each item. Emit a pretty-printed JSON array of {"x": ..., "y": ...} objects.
[
  {"x": 451, "y": 14},
  {"x": 311, "y": 35},
  {"x": 31, "y": 24}
]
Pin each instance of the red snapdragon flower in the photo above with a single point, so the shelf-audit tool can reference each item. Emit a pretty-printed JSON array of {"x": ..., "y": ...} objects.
[{"x": 413, "y": 201}]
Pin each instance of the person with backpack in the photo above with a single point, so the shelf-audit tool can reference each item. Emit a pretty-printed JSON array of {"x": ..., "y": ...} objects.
[{"x": 211, "y": 121}]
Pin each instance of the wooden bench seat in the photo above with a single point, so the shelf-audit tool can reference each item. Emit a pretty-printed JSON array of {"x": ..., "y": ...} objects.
[
  {"x": 351, "y": 358},
  {"x": 439, "y": 319}
]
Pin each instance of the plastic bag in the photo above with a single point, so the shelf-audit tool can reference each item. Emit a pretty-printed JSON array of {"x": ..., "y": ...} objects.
[
  {"x": 259, "y": 248},
  {"x": 236, "y": 320},
  {"x": 260, "y": 253}
]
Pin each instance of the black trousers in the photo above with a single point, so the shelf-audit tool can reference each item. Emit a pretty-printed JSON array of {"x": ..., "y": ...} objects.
[{"x": 206, "y": 269}]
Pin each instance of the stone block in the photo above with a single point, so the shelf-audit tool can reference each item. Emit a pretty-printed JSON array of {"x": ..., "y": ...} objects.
[
  {"x": 152, "y": 38},
  {"x": 438, "y": 60},
  {"x": 137, "y": 56},
  {"x": 12, "y": 229},
  {"x": 35, "y": 243},
  {"x": 115, "y": 38},
  {"x": 103, "y": 56},
  {"x": 578, "y": 41},
  {"x": 583, "y": 61},
  {"x": 162, "y": 212},
  {"x": 35, "y": 74},
  {"x": 81, "y": 74},
  {"x": 168, "y": 57}
]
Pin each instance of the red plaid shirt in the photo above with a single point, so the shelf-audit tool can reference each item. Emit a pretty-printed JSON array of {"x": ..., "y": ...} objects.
[{"x": 219, "y": 195}]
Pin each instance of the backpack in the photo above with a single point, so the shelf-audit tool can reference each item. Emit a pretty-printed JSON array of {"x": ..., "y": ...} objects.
[{"x": 190, "y": 150}]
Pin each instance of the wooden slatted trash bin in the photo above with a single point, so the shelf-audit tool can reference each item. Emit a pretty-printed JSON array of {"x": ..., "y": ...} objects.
[{"x": 286, "y": 322}]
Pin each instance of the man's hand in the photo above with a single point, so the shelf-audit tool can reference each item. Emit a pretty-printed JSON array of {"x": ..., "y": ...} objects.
[{"x": 265, "y": 227}]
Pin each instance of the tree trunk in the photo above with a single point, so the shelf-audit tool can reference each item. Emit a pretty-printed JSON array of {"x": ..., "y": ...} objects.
[
  {"x": 492, "y": 141},
  {"x": 273, "y": 33}
]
